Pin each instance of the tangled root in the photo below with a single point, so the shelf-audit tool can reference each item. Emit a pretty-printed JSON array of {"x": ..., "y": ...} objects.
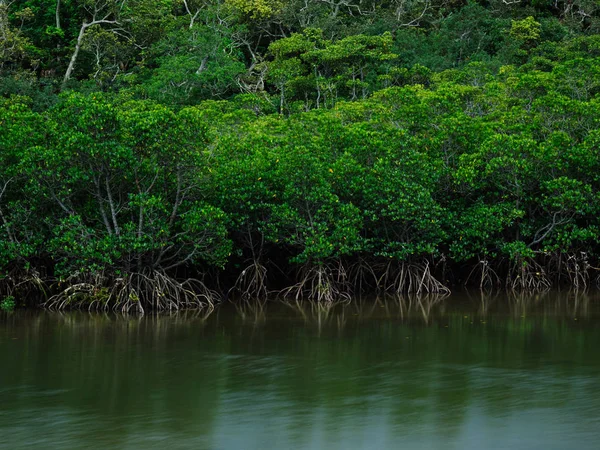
[
  {"x": 323, "y": 283},
  {"x": 252, "y": 282},
  {"x": 133, "y": 292},
  {"x": 527, "y": 275},
  {"x": 411, "y": 278},
  {"x": 577, "y": 269},
  {"x": 23, "y": 283},
  {"x": 485, "y": 275},
  {"x": 363, "y": 275}
]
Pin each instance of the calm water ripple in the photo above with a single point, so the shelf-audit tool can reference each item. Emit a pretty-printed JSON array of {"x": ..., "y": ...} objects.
[{"x": 462, "y": 373}]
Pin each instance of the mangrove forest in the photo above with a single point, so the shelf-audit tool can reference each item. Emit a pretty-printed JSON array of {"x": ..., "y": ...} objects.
[{"x": 162, "y": 154}]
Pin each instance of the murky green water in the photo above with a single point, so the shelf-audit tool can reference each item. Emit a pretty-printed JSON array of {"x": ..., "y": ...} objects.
[{"x": 458, "y": 374}]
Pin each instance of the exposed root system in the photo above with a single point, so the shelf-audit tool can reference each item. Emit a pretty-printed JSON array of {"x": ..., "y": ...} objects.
[
  {"x": 323, "y": 283},
  {"x": 527, "y": 275},
  {"x": 22, "y": 284},
  {"x": 484, "y": 275},
  {"x": 573, "y": 269},
  {"x": 134, "y": 292},
  {"x": 363, "y": 275},
  {"x": 412, "y": 279},
  {"x": 252, "y": 282}
]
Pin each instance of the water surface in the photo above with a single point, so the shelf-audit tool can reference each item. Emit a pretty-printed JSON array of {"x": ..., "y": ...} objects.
[{"x": 462, "y": 373}]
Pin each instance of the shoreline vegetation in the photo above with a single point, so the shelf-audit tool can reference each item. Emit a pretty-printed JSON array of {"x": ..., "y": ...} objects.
[{"x": 174, "y": 155}]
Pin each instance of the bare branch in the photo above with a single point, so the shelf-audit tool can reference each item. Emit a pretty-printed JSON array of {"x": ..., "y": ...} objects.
[
  {"x": 544, "y": 231},
  {"x": 416, "y": 21},
  {"x": 100, "y": 9}
]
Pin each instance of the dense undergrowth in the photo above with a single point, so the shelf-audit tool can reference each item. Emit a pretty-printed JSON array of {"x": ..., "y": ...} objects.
[{"x": 338, "y": 162}]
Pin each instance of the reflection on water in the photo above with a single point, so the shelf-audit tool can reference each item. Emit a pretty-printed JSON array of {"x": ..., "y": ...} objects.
[{"x": 462, "y": 372}]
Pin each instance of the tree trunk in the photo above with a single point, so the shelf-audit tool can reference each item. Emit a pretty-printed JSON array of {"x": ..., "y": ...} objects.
[
  {"x": 57, "y": 14},
  {"x": 84, "y": 26},
  {"x": 67, "y": 77}
]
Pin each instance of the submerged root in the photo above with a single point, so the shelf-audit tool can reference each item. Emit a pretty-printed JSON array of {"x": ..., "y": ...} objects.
[
  {"x": 412, "y": 279},
  {"x": 577, "y": 303},
  {"x": 317, "y": 313},
  {"x": 323, "y": 283},
  {"x": 134, "y": 292},
  {"x": 255, "y": 311},
  {"x": 521, "y": 302},
  {"x": 485, "y": 275},
  {"x": 527, "y": 275},
  {"x": 75, "y": 294},
  {"x": 422, "y": 304},
  {"x": 252, "y": 282},
  {"x": 23, "y": 284},
  {"x": 160, "y": 292},
  {"x": 577, "y": 269},
  {"x": 363, "y": 275}
]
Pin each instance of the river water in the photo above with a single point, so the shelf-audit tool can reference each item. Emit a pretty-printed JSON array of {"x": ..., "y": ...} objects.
[{"x": 465, "y": 372}]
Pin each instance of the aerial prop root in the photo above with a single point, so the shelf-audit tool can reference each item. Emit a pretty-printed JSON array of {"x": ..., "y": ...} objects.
[
  {"x": 252, "y": 282},
  {"x": 526, "y": 274},
  {"x": 574, "y": 267},
  {"x": 23, "y": 283},
  {"x": 411, "y": 278},
  {"x": 321, "y": 282},
  {"x": 133, "y": 292},
  {"x": 362, "y": 274},
  {"x": 483, "y": 272}
]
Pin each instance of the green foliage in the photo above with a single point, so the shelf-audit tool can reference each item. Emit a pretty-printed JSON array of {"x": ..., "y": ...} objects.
[
  {"x": 8, "y": 303},
  {"x": 255, "y": 8},
  {"x": 526, "y": 32},
  {"x": 127, "y": 192},
  {"x": 192, "y": 64},
  {"x": 208, "y": 136},
  {"x": 315, "y": 71}
]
